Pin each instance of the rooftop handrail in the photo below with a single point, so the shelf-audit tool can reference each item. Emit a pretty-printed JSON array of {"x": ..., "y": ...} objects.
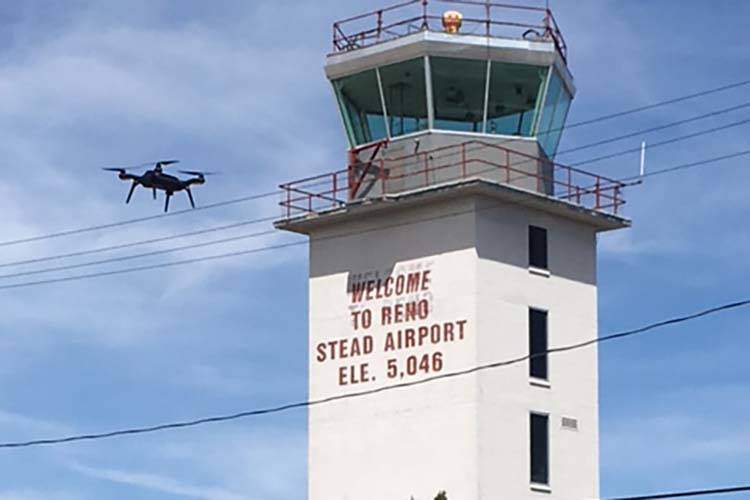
[
  {"x": 335, "y": 189},
  {"x": 347, "y": 37}
]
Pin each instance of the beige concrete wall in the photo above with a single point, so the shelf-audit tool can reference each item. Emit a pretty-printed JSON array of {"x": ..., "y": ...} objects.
[
  {"x": 405, "y": 170},
  {"x": 467, "y": 435}
]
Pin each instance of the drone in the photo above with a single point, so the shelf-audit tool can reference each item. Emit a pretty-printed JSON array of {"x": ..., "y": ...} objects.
[{"x": 156, "y": 179}]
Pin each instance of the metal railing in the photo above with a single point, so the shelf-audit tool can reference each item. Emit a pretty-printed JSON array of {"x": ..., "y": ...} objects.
[
  {"x": 491, "y": 19},
  {"x": 472, "y": 159}
]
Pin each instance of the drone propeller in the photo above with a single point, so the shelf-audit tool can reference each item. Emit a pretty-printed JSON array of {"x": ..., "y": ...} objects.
[
  {"x": 196, "y": 172},
  {"x": 164, "y": 163},
  {"x": 114, "y": 169}
]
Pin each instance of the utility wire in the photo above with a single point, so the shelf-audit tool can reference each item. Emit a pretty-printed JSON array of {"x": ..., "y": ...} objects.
[
  {"x": 221, "y": 241},
  {"x": 334, "y": 236},
  {"x": 694, "y": 164},
  {"x": 666, "y": 142},
  {"x": 88, "y": 229},
  {"x": 655, "y": 105},
  {"x": 138, "y": 243},
  {"x": 265, "y": 195},
  {"x": 658, "y": 128},
  {"x": 686, "y": 494},
  {"x": 359, "y": 394},
  {"x": 270, "y": 218}
]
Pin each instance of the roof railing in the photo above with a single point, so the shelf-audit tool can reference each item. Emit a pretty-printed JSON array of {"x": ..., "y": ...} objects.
[
  {"x": 490, "y": 19},
  {"x": 381, "y": 177}
]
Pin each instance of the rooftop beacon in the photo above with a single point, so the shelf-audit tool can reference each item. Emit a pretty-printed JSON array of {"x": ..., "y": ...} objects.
[{"x": 451, "y": 243}]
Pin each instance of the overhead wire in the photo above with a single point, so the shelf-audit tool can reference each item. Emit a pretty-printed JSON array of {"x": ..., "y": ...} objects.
[
  {"x": 153, "y": 253},
  {"x": 227, "y": 255},
  {"x": 658, "y": 128},
  {"x": 132, "y": 244},
  {"x": 368, "y": 392},
  {"x": 665, "y": 142},
  {"x": 270, "y": 218},
  {"x": 687, "y": 494},
  {"x": 251, "y": 197},
  {"x": 126, "y": 222}
]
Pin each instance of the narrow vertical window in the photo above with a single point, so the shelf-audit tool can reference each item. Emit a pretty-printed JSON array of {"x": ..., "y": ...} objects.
[
  {"x": 539, "y": 447},
  {"x": 537, "y": 247},
  {"x": 538, "y": 344}
]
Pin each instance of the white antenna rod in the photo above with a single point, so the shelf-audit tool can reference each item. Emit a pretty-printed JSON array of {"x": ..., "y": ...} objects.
[{"x": 643, "y": 158}]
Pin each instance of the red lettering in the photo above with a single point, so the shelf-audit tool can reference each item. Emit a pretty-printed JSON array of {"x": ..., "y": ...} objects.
[
  {"x": 385, "y": 316},
  {"x": 412, "y": 282},
  {"x": 321, "y": 352},
  {"x": 461, "y": 324},
  {"x": 358, "y": 290},
  {"x": 409, "y": 340},
  {"x": 388, "y": 286},
  {"x": 425, "y": 281},
  {"x": 400, "y": 283},
  {"x": 370, "y": 288}
]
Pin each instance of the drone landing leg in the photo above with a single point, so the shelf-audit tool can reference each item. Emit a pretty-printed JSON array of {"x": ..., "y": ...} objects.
[
  {"x": 154, "y": 190},
  {"x": 166, "y": 202},
  {"x": 190, "y": 195},
  {"x": 130, "y": 194}
]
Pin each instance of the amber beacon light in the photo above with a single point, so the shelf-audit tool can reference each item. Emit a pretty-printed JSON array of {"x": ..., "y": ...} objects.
[{"x": 452, "y": 21}]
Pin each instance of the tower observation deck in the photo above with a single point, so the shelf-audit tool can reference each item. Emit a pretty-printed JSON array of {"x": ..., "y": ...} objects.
[{"x": 451, "y": 241}]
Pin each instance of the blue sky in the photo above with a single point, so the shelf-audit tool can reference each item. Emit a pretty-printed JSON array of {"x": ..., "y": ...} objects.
[{"x": 238, "y": 86}]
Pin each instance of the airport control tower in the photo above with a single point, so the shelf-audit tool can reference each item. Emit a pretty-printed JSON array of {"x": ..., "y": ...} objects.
[{"x": 451, "y": 241}]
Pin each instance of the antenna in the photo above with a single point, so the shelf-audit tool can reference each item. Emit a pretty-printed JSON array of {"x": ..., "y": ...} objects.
[{"x": 643, "y": 158}]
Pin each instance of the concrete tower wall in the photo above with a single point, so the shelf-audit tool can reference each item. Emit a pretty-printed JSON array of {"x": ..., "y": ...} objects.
[{"x": 462, "y": 263}]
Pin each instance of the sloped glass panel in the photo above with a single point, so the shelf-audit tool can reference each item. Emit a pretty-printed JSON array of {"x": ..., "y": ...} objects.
[
  {"x": 405, "y": 96},
  {"x": 555, "y": 112},
  {"x": 361, "y": 108},
  {"x": 513, "y": 98},
  {"x": 458, "y": 88}
]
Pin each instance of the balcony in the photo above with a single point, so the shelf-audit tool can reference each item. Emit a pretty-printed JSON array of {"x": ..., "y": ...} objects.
[{"x": 383, "y": 176}]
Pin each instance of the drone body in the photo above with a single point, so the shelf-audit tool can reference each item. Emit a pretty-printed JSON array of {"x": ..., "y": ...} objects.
[{"x": 155, "y": 179}]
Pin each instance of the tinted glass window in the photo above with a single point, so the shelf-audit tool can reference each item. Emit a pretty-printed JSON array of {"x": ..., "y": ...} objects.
[
  {"x": 539, "y": 449},
  {"x": 361, "y": 108},
  {"x": 458, "y": 88},
  {"x": 405, "y": 96},
  {"x": 513, "y": 98},
  {"x": 556, "y": 106},
  {"x": 538, "y": 344},
  {"x": 538, "y": 247}
]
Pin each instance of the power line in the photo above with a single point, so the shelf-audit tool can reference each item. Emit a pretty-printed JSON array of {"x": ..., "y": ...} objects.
[
  {"x": 655, "y": 105},
  {"x": 138, "y": 243},
  {"x": 658, "y": 128},
  {"x": 139, "y": 256},
  {"x": 368, "y": 392},
  {"x": 666, "y": 142},
  {"x": 335, "y": 236},
  {"x": 686, "y": 494},
  {"x": 88, "y": 229},
  {"x": 686, "y": 166},
  {"x": 266, "y": 219},
  {"x": 265, "y": 195},
  {"x": 150, "y": 267}
]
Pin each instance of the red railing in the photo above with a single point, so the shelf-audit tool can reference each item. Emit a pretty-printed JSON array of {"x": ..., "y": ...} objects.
[
  {"x": 473, "y": 159},
  {"x": 489, "y": 19}
]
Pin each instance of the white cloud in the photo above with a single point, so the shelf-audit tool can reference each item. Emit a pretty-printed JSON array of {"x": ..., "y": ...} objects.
[{"x": 158, "y": 483}]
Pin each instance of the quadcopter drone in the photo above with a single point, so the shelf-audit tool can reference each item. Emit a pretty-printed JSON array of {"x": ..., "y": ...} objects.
[{"x": 156, "y": 179}]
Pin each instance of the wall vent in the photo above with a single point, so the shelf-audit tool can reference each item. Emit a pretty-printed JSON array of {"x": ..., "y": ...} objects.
[{"x": 570, "y": 424}]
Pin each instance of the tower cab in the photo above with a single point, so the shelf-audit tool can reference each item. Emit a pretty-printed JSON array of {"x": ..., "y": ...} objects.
[{"x": 471, "y": 84}]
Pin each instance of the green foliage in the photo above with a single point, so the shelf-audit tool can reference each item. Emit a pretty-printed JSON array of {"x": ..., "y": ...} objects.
[{"x": 441, "y": 496}]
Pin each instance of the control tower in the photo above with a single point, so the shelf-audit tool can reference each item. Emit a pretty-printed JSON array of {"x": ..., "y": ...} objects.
[{"x": 450, "y": 242}]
